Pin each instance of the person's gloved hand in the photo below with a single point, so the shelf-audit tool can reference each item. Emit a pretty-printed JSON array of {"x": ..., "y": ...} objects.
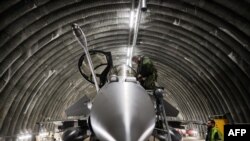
[{"x": 140, "y": 78}]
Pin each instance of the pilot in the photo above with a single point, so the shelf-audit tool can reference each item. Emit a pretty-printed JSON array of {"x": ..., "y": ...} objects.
[{"x": 146, "y": 71}]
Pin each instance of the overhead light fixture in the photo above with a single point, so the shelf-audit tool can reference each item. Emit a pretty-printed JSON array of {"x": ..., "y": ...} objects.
[
  {"x": 128, "y": 51},
  {"x": 43, "y": 134},
  {"x": 127, "y": 62},
  {"x": 144, "y": 5},
  {"x": 24, "y": 136},
  {"x": 135, "y": 17},
  {"x": 89, "y": 105},
  {"x": 132, "y": 14},
  {"x": 129, "y": 55}
]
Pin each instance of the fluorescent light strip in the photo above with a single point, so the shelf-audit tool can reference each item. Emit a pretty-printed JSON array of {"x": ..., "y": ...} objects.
[{"x": 132, "y": 14}]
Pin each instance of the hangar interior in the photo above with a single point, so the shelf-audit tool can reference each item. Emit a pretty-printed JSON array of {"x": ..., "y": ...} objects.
[{"x": 201, "y": 49}]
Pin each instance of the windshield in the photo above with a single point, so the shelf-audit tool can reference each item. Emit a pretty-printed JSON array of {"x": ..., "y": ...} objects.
[{"x": 122, "y": 70}]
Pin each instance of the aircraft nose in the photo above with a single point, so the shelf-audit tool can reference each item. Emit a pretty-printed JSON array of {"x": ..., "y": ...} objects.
[{"x": 122, "y": 111}]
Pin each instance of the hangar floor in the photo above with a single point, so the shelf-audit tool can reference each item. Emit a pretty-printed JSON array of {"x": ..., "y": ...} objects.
[
  {"x": 184, "y": 139},
  {"x": 192, "y": 139}
]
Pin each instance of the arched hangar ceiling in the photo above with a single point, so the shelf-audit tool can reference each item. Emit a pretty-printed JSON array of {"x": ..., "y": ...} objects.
[{"x": 201, "y": 49}]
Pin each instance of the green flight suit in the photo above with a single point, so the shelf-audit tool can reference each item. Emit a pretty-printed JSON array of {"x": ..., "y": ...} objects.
[{"x": 148, "y": 72}]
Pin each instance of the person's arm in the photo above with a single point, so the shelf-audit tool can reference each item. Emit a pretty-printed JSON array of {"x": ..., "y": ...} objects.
[{"x": 217, "y": 137}]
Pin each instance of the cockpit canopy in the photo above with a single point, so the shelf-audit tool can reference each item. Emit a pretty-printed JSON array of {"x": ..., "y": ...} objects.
[{"x": 103, "y": 67}]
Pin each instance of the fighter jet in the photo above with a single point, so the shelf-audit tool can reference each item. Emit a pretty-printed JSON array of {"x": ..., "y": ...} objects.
[{"x": 122, "y": 109}]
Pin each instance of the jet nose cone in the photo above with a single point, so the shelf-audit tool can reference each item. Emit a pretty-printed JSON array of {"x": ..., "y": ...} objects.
[{"x": 123, "y": 112}]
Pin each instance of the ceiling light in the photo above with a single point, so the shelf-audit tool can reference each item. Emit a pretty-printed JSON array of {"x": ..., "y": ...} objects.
[
  {"x": 144, "y": 5},
  {"x": 132, "y": 14},
  {"x": 24, "y": 136}
]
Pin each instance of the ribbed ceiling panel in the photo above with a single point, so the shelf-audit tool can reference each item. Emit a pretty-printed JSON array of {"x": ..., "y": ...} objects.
[{"x": 200, "y": 47}]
